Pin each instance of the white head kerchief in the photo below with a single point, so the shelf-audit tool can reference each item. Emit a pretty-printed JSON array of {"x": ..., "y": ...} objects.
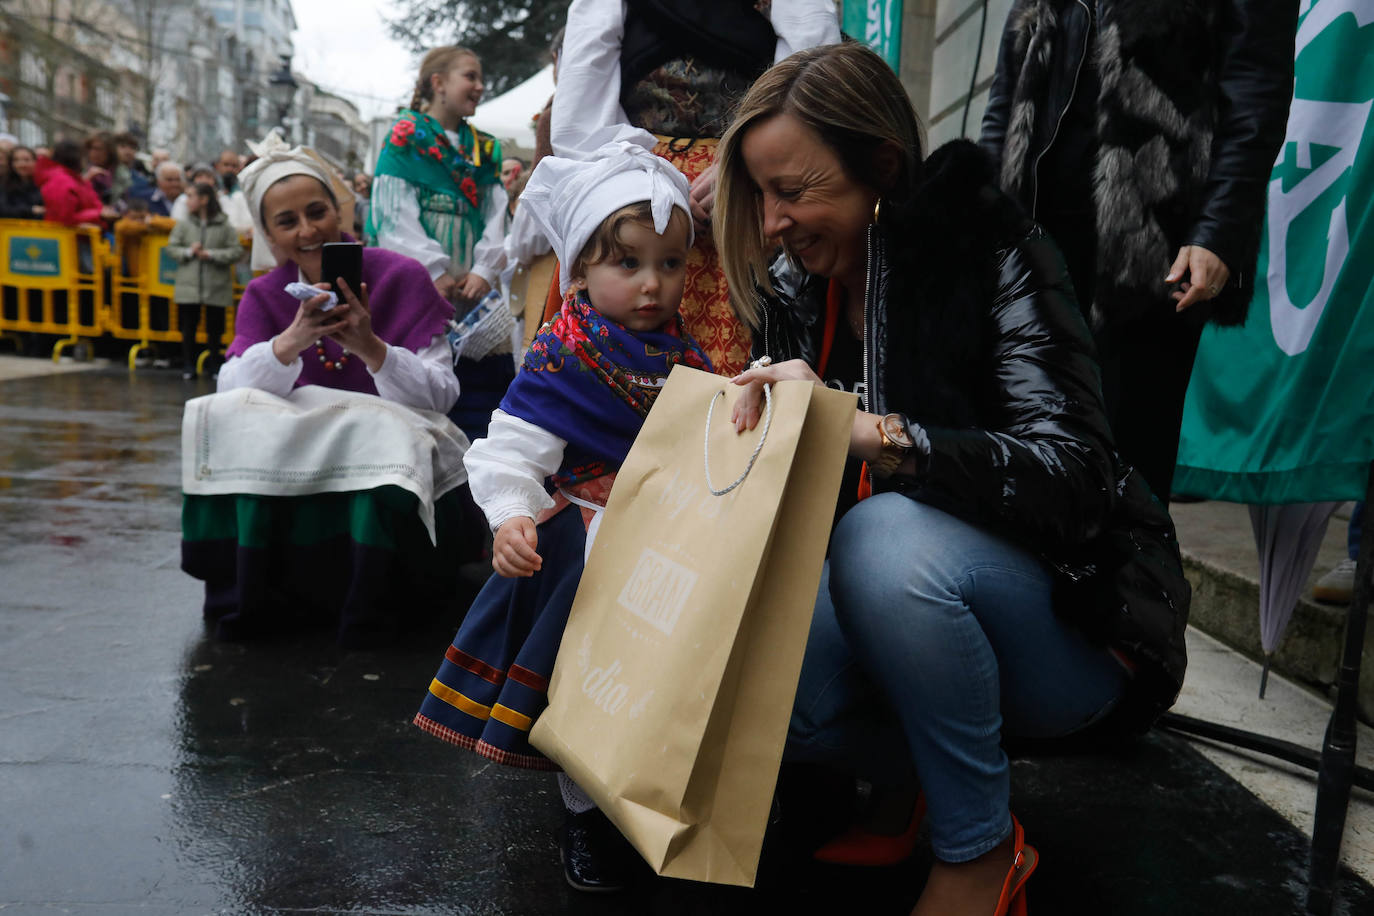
[
  {"x": 276, "y": 161},
  {"x": 570, "y": 197}
]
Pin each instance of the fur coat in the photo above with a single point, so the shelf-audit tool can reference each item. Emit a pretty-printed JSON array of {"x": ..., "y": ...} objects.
[{"x": 1192, "y": 100}]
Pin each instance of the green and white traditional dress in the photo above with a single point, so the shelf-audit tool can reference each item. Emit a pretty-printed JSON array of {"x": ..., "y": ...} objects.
[{"x": 437, "y": 197}]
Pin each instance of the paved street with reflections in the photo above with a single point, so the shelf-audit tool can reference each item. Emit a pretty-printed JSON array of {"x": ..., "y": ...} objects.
[{"x": 146, "y": 769}]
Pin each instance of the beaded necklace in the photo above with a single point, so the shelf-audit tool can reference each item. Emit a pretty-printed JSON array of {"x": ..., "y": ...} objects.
[{"x": 333, "y": 365}]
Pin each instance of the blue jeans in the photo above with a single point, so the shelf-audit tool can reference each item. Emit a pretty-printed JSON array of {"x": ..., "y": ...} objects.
[{"x": 930, "y": 638}]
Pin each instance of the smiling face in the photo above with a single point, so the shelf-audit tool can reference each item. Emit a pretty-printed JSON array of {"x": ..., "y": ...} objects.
[
  {"x": 460, "y": 89},
  {"x": 300, "y": 216},
  {"x": 807, "y": 201},
  {"x": 510, "y": 170},
  {"x": 640, "y": 285},
  {"x": 21, "y": 163}
]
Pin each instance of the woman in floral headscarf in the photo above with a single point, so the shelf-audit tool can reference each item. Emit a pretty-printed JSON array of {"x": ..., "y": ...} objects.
[{"x": 437, "y": 193}]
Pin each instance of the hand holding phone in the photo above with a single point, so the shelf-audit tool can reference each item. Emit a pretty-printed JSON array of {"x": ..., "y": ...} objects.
[{"x": 341, "y": 259}]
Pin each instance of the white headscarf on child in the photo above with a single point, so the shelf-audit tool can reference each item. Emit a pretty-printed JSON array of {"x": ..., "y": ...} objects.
[
  {"x": 276, "y": 161},
  {"x": 569, "y": 198}
]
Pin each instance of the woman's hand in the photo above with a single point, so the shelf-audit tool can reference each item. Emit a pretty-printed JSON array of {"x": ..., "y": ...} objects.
[
  {"x": 703, "y": 199},
  {"x": 473, "y": 288},
  {"x": 1207, "y": 276},
  {"x": 354, "y": 332},
  {"x": 309, "y": 325},
  {"x": 747, "y": 409},
  {"x": 513, "y": 554}
]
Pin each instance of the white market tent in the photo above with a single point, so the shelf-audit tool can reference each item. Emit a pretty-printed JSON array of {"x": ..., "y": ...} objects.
[{"x": 510, "y": 116}]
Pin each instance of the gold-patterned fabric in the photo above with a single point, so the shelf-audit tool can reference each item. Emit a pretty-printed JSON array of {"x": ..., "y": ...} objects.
[{"x": 706, "y": 309}]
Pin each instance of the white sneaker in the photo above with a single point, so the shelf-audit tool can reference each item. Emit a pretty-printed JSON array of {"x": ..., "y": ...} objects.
[{"x": 1338, "y": 585}]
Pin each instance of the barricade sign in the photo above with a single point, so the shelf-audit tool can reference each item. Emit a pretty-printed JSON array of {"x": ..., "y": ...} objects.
[{"x": 52, "y": 280}]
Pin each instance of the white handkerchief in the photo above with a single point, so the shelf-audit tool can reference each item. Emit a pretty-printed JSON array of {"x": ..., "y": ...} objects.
[{"x": 304, "y": 291}]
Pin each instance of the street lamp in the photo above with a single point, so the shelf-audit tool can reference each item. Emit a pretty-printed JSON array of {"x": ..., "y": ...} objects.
[{"x": 281, "y": 86}]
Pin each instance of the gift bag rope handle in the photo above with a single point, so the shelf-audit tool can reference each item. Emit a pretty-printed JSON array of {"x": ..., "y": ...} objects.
[{"x": 763, "y": 436}]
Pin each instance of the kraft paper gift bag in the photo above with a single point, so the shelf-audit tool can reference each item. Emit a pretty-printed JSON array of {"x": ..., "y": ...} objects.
[{"x": 670, "y": 699}]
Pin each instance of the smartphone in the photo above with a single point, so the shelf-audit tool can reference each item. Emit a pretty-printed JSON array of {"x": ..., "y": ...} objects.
[{"x": 342, "y": 259}]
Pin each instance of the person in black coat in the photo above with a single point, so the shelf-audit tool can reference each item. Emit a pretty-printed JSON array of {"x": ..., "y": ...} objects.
[
  {"x": 20, "y": 198},
  {"x": 1141, "y": 134},
  {"x": 1009, "y": 576}
]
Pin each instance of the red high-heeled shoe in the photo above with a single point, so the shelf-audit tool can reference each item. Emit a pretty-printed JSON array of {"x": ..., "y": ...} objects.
[
  {"x": 1012, "y": 901},
  {"x": 857, "y": 846}
]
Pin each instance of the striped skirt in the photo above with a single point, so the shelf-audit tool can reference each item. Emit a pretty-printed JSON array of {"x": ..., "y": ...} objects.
[{"x": 494, "y": 680}]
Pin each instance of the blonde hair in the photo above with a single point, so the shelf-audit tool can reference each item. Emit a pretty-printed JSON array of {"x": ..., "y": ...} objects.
[
  {"x": 605, "y": 243},
  {"x": 437, "y": 61},
  {"x": 853, "y": 102}
]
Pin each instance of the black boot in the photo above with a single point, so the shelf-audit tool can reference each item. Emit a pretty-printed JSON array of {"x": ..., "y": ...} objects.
[{"x": 596, "y": 858}]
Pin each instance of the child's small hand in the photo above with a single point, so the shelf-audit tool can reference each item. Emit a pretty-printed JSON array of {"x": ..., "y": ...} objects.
[{"x": 513, "y": 555}]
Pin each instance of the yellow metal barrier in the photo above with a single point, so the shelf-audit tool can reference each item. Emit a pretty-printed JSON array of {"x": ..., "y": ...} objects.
[
  {"x": 142, "y": 309},
  {"x": 52, "y": 281}
]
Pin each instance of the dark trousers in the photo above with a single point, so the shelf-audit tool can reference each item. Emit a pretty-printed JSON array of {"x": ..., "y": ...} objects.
[
  {"x": 1146, "y": 365},
  {"x": 188, "y": 320}
]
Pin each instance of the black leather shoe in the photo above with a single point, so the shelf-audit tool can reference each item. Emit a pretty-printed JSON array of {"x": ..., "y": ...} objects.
[{"x": 596, "y": 858}]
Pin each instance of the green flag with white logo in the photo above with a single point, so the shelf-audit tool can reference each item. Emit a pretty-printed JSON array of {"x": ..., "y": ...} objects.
[
  {"x": 878, "y": 24},
  {"x": 1282, "y": 410}
]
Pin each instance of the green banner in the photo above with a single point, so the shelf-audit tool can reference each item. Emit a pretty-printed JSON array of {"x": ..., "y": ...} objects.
[
  {"x": 878, "y": 24},
  {"x": 30, "y": 257},
  {"x": 1282, "y": 410}
]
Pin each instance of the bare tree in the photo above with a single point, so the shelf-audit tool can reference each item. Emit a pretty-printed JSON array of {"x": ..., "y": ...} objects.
[
  {"x": 154, "y": 33},
  {"x": 511, "y": 36}
]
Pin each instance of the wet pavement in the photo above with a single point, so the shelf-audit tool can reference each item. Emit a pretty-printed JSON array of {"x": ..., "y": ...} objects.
[{"x": 145, "y": 769}]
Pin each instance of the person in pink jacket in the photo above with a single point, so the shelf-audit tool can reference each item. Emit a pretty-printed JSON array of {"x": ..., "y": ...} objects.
[{"x": 69, "y": 199}]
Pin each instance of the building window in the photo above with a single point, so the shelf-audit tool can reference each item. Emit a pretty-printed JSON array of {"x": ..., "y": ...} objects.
[
  {"x": 105, "y": 100},
  {"x": 32, "y": 69},
  {"x": 29, "y": 133}
]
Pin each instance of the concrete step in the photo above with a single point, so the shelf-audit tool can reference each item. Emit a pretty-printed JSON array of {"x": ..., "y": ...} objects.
[{"x": 1221, "y": 562}]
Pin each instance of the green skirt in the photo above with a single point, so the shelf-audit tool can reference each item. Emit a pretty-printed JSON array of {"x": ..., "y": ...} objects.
[{"x": 358, "y": 562}]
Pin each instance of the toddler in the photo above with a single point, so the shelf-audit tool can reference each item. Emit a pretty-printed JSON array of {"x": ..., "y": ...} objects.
[{"x": 620, "y": 225}]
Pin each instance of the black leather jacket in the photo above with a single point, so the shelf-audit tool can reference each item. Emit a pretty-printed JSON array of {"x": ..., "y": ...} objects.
[{"x": 973, "y": 333}]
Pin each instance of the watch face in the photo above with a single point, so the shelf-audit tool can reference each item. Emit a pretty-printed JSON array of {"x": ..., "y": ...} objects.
[{"x": 896, "y": 431}]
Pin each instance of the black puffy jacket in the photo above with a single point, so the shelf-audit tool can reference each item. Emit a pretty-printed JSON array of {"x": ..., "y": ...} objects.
[{"x": 974, "y": 334}]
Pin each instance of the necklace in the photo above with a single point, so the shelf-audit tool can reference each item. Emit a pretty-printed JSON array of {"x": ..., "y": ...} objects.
[{"x": 331, "y": 364}]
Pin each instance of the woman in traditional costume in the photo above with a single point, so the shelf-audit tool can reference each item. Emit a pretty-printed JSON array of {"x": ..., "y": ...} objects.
[
  {"x": 676, "y": 68},
  {"x": 323, "y": 483}
]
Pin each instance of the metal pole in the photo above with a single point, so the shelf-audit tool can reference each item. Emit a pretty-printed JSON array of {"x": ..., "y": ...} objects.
[
  {"x": 1338, "y": 752},
  {"x": 1264, "y": 744}
]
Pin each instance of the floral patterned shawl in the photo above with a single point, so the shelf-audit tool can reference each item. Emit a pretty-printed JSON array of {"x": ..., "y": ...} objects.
[
  {"x": 591, "y": 381},
  {"x": 418, "y": 151}
]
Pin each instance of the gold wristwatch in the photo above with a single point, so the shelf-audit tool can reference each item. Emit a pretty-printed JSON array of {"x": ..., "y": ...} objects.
[{"x": 896, "y": 443}]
